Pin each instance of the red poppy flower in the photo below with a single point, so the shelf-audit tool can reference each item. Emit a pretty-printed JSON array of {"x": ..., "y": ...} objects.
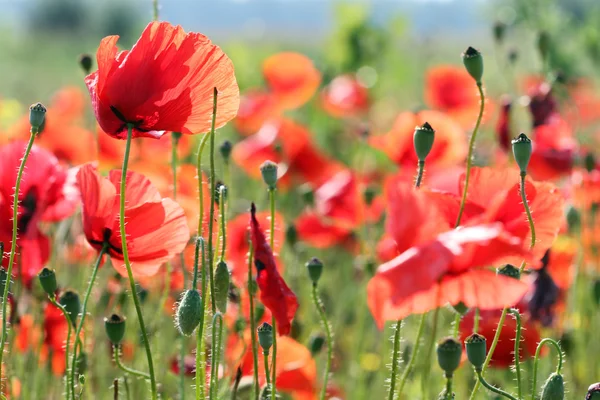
[
  {"x": 449, "y": 148},
  {"x": 164, "y": 83},
  {"x": 542, "y": 104},
  {"x": 156, "y": 227},
  {"x": 554, "y": 150},
  {"x": 55, "y": 337},
  {"x": 256, "y": 107},
  {"x": 451, "y": 89},
  {"x": 47, "y": 194},
  {"x": 453, "y": 268},
  {"x": 292, "y": 78},
  {"x": 345, "y": 96},
  {"x": 274, "y": 292}
]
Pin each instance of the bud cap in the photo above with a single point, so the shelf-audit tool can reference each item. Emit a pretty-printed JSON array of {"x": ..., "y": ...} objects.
[
  {"x": 225, "y": 150},
  {"x": 85, "y": 61},
  {"x": 47, "y": 279},
  {"x": 509, "y": 270}
]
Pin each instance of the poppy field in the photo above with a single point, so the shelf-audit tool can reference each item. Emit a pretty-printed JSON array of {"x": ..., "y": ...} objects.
[{"x": 187, "y": 220}]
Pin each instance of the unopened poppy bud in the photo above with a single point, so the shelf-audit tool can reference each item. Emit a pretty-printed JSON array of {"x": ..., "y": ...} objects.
[
  {"x": 473, "y": 61},
  {"x": 70, "y": 301},
  {"x": 423, "y": 140},
  {"x": 593, "y": 392},
  {"x": 499, "y": 31},
  {"x": 509, "y": 270},
  {"x": 239, "y": 326},
  {"x": 188, "y": 312},
  {"x": 291, "y": 235},
  {"x": 308, "y": 194},
  {"x": 85, "y": 61},
  {"x": 573, "y": 219},
  {"x": 522, "y": 149},
  {"x": 268, "y": 170},
  {"x": 221, "y": 286},
  {"x": 47, "y": 279},
  {"x": 460, "y": 308},
  {"x": 37, "y": 116},
  {"x": 253, "y": 287},
  {"x": 596, "y": 291},
  {"x": 449, "y": 351},
  {"x": 115, "y": 328},
  {"x": 370, "y": 193},
  {"x": 476, "y": 350},
  {"x": 316, "y": 343},
  {"x": 81, "y": 363},
  {"x": 225, "y": 150},
  {"x": 589, "y": 162},
  {"x": 315, "y": 269},
  {"x": 543, "y": 44},
  {"x": 554, "y": 388},
  {"x": 265, "y": 336}
]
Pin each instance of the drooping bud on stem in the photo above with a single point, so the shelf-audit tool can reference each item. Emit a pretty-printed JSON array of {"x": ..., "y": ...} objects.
[
  {"x": 70, "y": 301},
  {"x": 268, "y": 170},
  {"x": 522, "y": 149},
  {"x": 221, "y": 286},
  {"x": 188, "y": 312},
  {"x": 115, "y": 328},
  {"x": 449, "y": 351},
  {"x": 473, "y": 61},
  {"x": 47, "y": 279},
  {"x": 554, "y": 388},
  {"x": 476, "y": 350}
]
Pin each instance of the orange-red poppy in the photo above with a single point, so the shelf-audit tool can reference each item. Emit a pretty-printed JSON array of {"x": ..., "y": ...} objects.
[
  {"x": 256, "y": 107},
  {"x": 585, "y": 110},
  {"x": 156, "y": 227},
  {"x": 47, "y": 194},
  {"x": 345, "y": 96},
  {"x": 449, "y": 148},
  {"x": 164, "y": 83},
  {"x": 55, "y": 338},
  {"x": 292, "y": 78}
]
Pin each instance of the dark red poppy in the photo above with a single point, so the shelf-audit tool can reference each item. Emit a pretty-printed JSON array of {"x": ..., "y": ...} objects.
[
  {"x": 542, "y": 104},
  {"x": 156, "y": 227},
  {"x": 345, "y": 96},
  {"x": 164, "y": 83},
  {"x": 274, "y": 292},
  {"x": 554, "y": 150},
  {"x": 47, "y": 194}
]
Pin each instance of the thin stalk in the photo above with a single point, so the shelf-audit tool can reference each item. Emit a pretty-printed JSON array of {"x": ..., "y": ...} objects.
[
  {"x": 131, "y": 371},
  {"x": 266, "y": 362},
  {"x": 413, "y": 356},
  {"x": 222, "y": 203},
  {"x": 84, "y": 314},
  {"x": 536, "y": 360},
  {"x": 517, "y": 316},
  {"x": 13, "y": 245},
  {"x": 200, "y": 365},
  {"x": 527, "y": 210},
  {"x": 211, "y": 252},
  {"x": 420, "y": 172},
  {"x": 476, "y": 321},
  {"x": 449, "y": 387},
  {"x": 134, "y": 294},
  {"x": 492, "y": 388},
  {"x": 255, "y": 387},
  {"x": 432, "y": 341},
  {"x": 395, "y": 360},
  {"x": 470, "y": 154},
  {"x": 321, "y": 310},
  {"x": 155, "y": 10},
  {"x": 116, "y": 389},
  {"x": 216, "y": 355},
  {"x": 201, "y": 183},
  {"x": 456, "y": 325},
  {"x": 69, "y": 330},
  {"x": 127, "y": 392},
  {"x": 273, "y": 322}
]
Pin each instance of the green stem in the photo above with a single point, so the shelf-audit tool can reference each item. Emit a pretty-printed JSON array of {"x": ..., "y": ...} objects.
[
  {"x": 131, "y": 371},
  {"x": 222, "y": 202},
  {"x": 211, "y": 252},
  {"x": 395, "y": 360},
  {"x": 536, "y": 360},
  {"x": 527, "y": 210},
  {"x": 476, "y": 321},
  {"x": 200, "y": 365},
  {"x": 13, "y": 245},
  {"x": 216, "y": 355},
  {"x": 201, "y": 184},
  {"x": 517, "y": 316},
  {"x": 127, "y": 391},
  {"x": 67, "y": 373},
  {"x": 155, "y": 10},
  {"x": 253, "y": 324},
  {"x": 84, "y": 314},
  {"x": 413, "y": 356},
  {"x": 456, "y": 325},
  {"x": 420, "y": 172},
  {"x": 134, "y": 294},
  {"x": 470, "y": 154},
  {"x": 273, "y": 322},
  {"x": 492, "y": 388},
  {"x": 321, "y": 310},
  {"x": 266, "y": 361},
  {"x": 449, "y": 387},
  {"x": 432, "y": 340}
]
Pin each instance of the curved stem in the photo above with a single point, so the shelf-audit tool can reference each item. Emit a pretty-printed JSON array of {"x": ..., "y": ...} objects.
[
  {"x": 492, "y": 388},
  {"x": 131, "y": 371},
  {"x": 470, "y": 154},
  {"x": 321, "y": 310},
  {"x": 536, "y": 360},
  {"x": 69, "y": 324},
  {"x": 395, "y": 360},
  {"x": 420, "y": 172},
  {"x": 527, "y": 210},
  {"x": 413, "y": 356},
  {"x": 252, "y": 324},
  {"x": 273, "y": 322},
  {"x": 432, "y": 341},
  {"x": 13, "y": 245},
  {"x": 517, "y": 316},
  {"x": 211, "y": 220},
  {"x": 134, "y": 294},
  {"x": 200, "y": 360},
  {"x": 216, "y": 355},
  {"x": 84, "y": 314}
]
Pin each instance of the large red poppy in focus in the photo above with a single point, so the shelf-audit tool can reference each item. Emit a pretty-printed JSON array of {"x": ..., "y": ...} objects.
[
  {"x": 156, "y": 228},
  {"x": 164, "y": 83}
]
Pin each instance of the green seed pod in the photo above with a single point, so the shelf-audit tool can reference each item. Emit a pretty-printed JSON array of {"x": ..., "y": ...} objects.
[
  {"x": 188, "y": 312},
  {"x": 291, "y": 235},
  {"x": 239, "y": 326},
  {"x": 460, "y": 308},
  {"x": 476, "y": 350},
  {"x": 509, "y": 270},
  {"x": 268, "y": 170},
  {"x": 522, "y": 149},
  {"x": 449, "y": 351},
  {"x": 259, "y": 312},
  {"x": 473, "y": 61},
  {"x": 554, "y": 388},
  {"x": 222, "y": 280},
  {"x": 596, "y": 291},
  {"x": 85, "y": 61},
  {"x": 225, "y": 150},
  {"x": 423, "y": 140},
  {"x": 315, "y": 269},
  {"x": 70, "y": 301},
  {"x": 115, "y": 328},
  {"x": 82, "y": 380},
  {"x": 593, "y": 392},
  {"x": 316, "y": 343},
  {"x": 37, "y": 117},
  {"x": 265, "y": 336},
  {"x": 573, "y": 219},
  {"x": 47, "y": 279},
  {"x": 82, "y": 363}
]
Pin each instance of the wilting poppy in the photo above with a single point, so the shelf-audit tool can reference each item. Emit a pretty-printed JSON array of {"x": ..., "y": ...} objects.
[
  {"x": 448, "y": 149},
  {"x": 164, "y": 83},
  {"x": 256, "y": 107},
  {"x": 345, "y": 96},
  {"x": 156, "y": 227},
  {"x": 47, "y": 194},
  {"x": 274, "y": 292},
  {"x": 292, "y": 78}
]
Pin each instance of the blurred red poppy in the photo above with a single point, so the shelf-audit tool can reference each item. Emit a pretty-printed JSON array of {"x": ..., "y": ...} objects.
[
  {"x": 292, "y": 78},
  {"x": 256, "y": 107},
  {"x": 164, "y": 83},
  {"x": 156, "y": 227},
  {"x": 554, "y": 150},
  {"x": 503, "y": 129},
  {"x": 345, "y": 96},
  {"x": 47, "y": 194},
  {"x": 55, "y": 338},
  {"x": 274, "y": 292}
]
